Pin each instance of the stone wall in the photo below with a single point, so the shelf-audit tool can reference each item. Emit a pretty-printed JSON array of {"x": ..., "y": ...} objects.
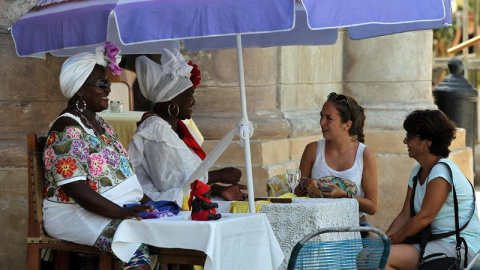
[{"x": 29, "y": 99}]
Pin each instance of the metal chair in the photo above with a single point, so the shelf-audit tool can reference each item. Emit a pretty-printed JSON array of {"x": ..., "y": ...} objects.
[
  {"x": 474, "y": 263},
  {"x": 357, "y": 253}
]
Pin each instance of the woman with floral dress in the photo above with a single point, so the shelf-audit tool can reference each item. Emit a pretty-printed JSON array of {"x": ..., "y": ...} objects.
[{"x": 89, "y": 178}]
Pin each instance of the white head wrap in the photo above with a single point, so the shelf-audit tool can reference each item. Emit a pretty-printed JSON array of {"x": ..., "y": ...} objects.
[
  {"x": 77, "y": 68},
  {"x": 160, "y": 83}
]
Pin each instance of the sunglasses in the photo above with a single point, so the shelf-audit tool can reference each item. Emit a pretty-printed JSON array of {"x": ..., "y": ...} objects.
[
  {"x": 409, "y": 136},
  {"x": 101, "y": 84},
  {"x": 340, "y": 98}
]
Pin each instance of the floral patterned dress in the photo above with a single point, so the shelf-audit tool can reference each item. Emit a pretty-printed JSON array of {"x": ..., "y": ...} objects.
[{"x": 78, "y": 154}]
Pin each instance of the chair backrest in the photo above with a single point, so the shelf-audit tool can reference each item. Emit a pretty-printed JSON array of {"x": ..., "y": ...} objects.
[
  {"x": 36, "y": 184},
  {"x": 354, "y": 253},
  {"x": 121, "y": 92}
]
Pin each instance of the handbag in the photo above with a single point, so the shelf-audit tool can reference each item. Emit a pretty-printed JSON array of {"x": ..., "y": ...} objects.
[
  {"x": 445, "y": 262},
  {"x": 345, "y": 184},
  {"x": 425, "y": 235}
]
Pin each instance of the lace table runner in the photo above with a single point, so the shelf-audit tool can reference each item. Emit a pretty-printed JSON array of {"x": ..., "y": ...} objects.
[{"x": 292, "y": 221}]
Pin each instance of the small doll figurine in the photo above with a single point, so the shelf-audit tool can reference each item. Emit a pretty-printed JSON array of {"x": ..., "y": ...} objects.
[{"x": 202, "y": 207}]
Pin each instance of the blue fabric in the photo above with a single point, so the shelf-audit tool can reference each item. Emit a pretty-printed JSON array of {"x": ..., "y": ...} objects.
[
  {"x": 162, "y": 208},
  {"x": 365, "y": 224},
  {"x": 170, "y": 206}
]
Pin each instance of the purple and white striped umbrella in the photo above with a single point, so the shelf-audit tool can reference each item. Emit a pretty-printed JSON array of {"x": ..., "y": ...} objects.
[
  {"x": 67, "y": 27},
  {"x": 146, "y": 26}
]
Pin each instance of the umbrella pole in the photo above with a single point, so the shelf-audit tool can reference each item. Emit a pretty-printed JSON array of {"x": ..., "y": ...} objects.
[{"x": 245, "y": 127}]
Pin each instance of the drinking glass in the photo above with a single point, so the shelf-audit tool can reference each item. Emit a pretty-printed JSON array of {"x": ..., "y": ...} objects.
[{"x": 293, "y": 178}]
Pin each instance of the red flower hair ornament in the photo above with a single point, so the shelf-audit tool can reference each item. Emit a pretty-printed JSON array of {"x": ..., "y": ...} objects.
[{"x": 195, "y": 75}]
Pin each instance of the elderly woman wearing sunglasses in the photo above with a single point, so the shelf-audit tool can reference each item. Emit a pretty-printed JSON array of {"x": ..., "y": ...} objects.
[
  {"x": 89, "y": 177},
  {"x": 340, "y": 165}
]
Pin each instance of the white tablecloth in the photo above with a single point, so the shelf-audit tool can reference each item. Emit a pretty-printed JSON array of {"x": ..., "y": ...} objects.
[
  {"x": 293, "y": 221},
  {"x": 236, "y": 241}
]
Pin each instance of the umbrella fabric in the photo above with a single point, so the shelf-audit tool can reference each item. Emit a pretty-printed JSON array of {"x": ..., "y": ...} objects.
[
  {"x": 54, "y": 25},
  {"x": 317, "y": 23},
  {"x": 138, "y": 25}
]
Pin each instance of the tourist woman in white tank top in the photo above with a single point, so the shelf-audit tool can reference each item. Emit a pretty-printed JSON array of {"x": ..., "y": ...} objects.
[{"x": 341, "y": 154}]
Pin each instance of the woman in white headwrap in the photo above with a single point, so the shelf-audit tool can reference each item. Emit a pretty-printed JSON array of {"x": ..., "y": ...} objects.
[
  {"x": 89, "y": 177},
  {"x": 163, "y": 151}
]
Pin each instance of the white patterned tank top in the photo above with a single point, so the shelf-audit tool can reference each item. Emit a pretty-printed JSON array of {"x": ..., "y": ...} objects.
[{"x": 321, "y": 169}]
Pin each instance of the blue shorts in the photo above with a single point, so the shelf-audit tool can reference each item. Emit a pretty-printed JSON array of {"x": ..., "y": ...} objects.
[{"x": 364, "y": 224}]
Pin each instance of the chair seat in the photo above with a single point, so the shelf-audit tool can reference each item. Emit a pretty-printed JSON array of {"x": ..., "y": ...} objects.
[{"x": 48, "y": 242}]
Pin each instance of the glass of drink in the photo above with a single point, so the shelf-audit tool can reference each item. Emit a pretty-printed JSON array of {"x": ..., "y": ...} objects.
[{"x": 293, "y": 178}]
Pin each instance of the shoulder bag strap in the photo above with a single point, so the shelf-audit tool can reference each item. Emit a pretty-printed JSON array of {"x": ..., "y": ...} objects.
[
  {"x": 447, "y": 234},
  {"x": 460, "y": 240},
  {"x": 414, "y": 187},
  {"x": 432, "y": 237},
  {"x": 425, "y": 232}
]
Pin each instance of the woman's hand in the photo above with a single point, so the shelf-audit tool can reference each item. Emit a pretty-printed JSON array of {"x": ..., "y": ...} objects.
[
  {"x": 335, "y": 193},
  {"x": 132, "y": 211},
  {"x": 227, "y": 175},
  {"x": 311, "y": 186},
  {"x": 396, "y": 239},
  {"x": 230, "y": 193}
]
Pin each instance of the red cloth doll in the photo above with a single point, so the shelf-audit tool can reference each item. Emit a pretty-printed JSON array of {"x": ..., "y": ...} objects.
[{"x": 202, "y": 207}]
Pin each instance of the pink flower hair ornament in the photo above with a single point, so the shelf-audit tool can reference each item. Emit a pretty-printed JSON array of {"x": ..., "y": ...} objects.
[{"x": 108, "y": 56}]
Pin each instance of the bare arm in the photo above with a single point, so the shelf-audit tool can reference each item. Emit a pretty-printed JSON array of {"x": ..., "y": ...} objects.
[
  {"x": 435, "y": 196},
  {"x": 308, "y": 159},
  {"x": 228, "y": 175},
  {"x": 306, "y": 165},
  {"x": 97, "y": 204},
  {"x": 145, "y": 199},
  {"x": 369, "y": 202}
]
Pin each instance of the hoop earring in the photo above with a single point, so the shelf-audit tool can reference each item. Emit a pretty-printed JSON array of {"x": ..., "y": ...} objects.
[
  {"x": 84, "y": 105},
  {"x": 173, "y": 106}
]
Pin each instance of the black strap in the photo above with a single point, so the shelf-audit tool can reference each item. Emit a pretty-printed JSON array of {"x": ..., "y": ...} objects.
[
  {"x": 459, "y": 239},
  {"x": 427, "y": 236},
  {"x": 412, "y": 197}
]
